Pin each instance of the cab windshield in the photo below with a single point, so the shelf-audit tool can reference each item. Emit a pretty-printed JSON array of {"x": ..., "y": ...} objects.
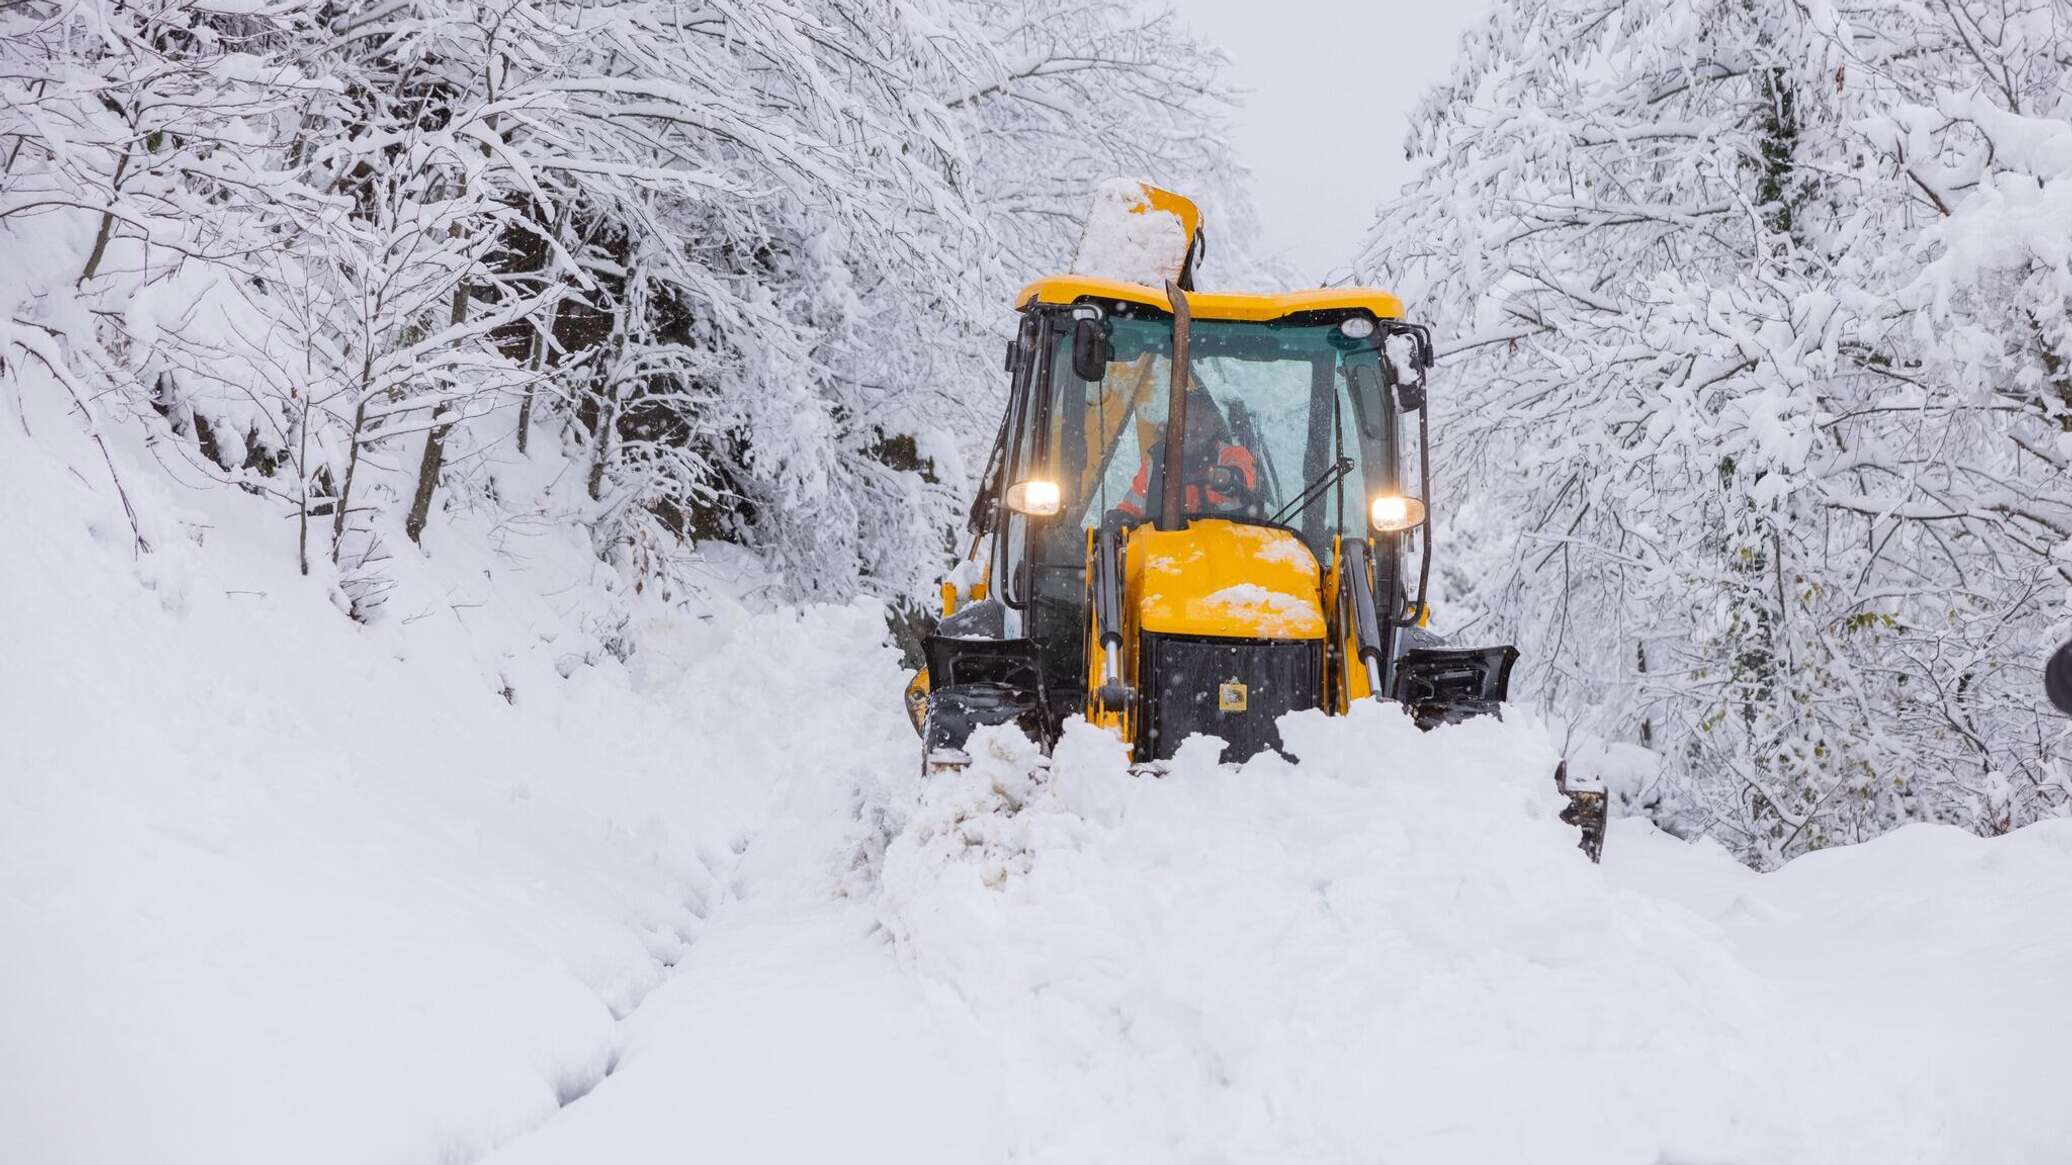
[{"x": 1273, "y": 410}]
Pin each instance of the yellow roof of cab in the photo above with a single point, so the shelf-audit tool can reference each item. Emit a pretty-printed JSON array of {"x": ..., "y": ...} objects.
[{"x": 1213, "y": 305}]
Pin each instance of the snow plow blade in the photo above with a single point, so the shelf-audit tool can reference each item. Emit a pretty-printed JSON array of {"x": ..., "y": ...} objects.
[{"x": 1446, "y": 685}]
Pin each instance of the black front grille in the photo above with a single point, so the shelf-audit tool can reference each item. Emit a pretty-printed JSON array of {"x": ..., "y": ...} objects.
[{"x": 1193, "y": 685}]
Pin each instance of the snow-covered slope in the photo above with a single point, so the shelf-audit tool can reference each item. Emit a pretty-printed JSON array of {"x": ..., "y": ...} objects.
[{"x": 275, "y": 886}]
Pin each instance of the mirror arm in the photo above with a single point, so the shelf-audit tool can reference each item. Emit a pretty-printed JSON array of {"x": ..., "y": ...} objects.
[
  {"x": 1424, "y": 540},
  {"x": 1411, "y": 396}
]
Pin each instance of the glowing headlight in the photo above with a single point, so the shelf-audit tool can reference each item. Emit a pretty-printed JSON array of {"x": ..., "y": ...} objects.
[
  {"x": 1039, "y": 498},
  {"x": 1356, "y": 328},
  {"x": 1389, "y": 513}
]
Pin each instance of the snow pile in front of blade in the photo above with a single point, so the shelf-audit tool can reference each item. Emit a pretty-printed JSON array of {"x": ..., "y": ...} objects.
[{"x": 1391, "y": 951}]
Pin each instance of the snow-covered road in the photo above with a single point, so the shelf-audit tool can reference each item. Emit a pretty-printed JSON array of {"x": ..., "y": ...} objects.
[
  {"x": 277, "y": 887},
  {"x": 792, "y": 1033},
  {"x": 1390, "y": 953}
]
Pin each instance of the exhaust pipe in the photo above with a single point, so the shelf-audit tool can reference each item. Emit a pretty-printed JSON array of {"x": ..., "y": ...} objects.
[{"x": 1171, "y": 490}]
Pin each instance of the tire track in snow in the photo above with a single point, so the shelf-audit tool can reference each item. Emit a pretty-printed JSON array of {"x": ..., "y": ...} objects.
[{"x": 708, "y": 898}]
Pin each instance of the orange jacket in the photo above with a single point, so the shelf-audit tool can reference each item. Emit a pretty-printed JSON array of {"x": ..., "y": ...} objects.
[{"x": 1235, "y": 456}]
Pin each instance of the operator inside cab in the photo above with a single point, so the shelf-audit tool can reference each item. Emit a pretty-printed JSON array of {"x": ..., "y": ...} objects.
[{"x": 1222, "y": 476}]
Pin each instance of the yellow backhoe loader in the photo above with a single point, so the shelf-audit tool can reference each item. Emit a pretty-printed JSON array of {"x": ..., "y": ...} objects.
[{"x": 1195, "y": 519}]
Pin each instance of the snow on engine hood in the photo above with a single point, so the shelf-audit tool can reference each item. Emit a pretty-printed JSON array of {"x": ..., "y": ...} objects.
[{"x": 1225, "y": 578}]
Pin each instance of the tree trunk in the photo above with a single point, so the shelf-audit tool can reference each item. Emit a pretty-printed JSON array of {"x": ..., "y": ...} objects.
[
  {"x": 434, "y": 441},
  {"x": 302, "y": 473},
  {"x": 535, "y": 361},
  {"x": 427, "y": 481},
  {"x": 1647, "y": 724},
  {"x": 345, "y": 489},
  {"x": 93, "y": 261},
  {"x": 607, "y": 419}
]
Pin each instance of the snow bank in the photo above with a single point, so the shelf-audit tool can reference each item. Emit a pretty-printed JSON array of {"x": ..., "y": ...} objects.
[
  {"x": 1393, "y": 952},
  {"x": 276, "y": 886},
  {"x": 791, "y": 1033}
]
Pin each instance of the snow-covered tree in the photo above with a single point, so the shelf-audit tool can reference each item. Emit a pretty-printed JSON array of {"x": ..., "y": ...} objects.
[
  {"x": 1751, "y": 406},
  {"x": 737, "y": 271}
]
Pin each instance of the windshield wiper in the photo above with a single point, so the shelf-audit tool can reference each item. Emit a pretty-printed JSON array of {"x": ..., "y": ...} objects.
[{"x": 1311, "y": 492}]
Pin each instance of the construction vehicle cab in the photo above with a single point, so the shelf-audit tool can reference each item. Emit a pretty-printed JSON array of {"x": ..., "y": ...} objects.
[{"x": 1202, "y": 511}]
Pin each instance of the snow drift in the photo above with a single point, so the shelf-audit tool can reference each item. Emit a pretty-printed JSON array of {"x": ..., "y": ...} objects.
[
  {"x": 1392, "y": 951},
  {"x": 277, "y": 886},
  {"x": 463, "y": 886}
]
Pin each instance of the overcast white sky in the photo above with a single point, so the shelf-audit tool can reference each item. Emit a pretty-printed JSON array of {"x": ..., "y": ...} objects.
[{"x": 1363, "y": 60}]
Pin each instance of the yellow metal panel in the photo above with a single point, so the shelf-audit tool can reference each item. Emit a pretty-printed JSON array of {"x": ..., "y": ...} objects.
[
  {"x": 1223, "y": 578},
  {"x": 1178, "y": 205},
  {"x": 1213, "y": 305}
]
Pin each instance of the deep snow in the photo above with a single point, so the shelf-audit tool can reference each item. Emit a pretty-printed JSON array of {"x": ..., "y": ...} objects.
[
  {"x": 275, "y": 886},
  {"x": 1393, "y": 952},
  {"x": 278, "y": 887}
]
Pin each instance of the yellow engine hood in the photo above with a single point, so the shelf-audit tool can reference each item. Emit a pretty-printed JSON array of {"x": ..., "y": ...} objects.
[{"x": 1223, "y": 578}]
